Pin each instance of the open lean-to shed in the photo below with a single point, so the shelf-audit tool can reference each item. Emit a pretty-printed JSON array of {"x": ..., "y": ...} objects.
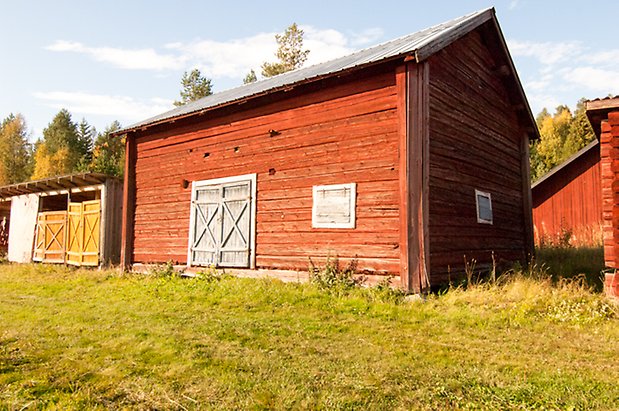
[
  {"x": 603, "y": 115},
  {"x": 410, "y": 157},
  {"x": 73, "y": 219}
]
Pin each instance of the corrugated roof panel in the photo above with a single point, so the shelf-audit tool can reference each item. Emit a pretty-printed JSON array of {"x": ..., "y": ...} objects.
[{"x": 394, "y": 48}]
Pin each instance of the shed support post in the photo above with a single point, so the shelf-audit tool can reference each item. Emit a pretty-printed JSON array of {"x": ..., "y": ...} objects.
[{"x": 128, "y": 203}]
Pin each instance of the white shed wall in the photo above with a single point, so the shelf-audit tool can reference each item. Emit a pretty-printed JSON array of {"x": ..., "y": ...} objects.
[{"x": 24, "y": 210}]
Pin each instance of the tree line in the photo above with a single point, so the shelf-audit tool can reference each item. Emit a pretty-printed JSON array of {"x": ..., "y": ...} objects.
[
  {"x": 66, "y": 147},
  {"x": 562, "y": 134}
]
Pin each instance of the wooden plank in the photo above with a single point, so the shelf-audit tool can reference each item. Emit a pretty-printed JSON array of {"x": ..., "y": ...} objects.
[
  {"x": 404, "y": 174},
  {"x": 418, "y": 165},
  {"x": 129, "y": 196}
]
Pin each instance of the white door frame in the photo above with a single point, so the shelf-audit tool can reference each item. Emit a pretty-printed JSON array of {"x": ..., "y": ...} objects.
[{"x": 195, "y": 185}]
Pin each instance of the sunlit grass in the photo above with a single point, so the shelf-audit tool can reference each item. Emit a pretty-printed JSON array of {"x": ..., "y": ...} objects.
[{"x": 76, "y": 339}]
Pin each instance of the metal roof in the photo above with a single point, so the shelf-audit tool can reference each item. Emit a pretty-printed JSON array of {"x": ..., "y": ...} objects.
[
  {"x": 598, "y": 109},
  {"x": 567, "y": 162},
  {"x": 59, "y": 183},
  {"x": 420, "y": 45}
]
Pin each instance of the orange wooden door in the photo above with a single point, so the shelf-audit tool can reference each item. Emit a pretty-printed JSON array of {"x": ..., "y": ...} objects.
[
  {"x": 75, "y": 234},
  {"x": 91, "y": 223},
  {"x": 50, "y": 243}
]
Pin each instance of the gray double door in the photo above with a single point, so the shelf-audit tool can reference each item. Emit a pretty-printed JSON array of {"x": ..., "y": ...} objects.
[{"x": 221, "y": 223}]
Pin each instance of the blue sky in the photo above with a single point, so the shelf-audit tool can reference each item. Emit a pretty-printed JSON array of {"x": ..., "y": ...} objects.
[{"x": 107, "y": 60}]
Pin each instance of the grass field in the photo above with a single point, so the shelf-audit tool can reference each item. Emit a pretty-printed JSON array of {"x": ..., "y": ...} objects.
[
  {"x": 89, "y": 339},
  {"x": 569, "y": 262}
]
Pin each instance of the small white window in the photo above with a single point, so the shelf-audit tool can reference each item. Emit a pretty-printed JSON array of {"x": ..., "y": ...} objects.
[
  {"x": 484, "y": 207},
  {"x": 334, "y": 206}
]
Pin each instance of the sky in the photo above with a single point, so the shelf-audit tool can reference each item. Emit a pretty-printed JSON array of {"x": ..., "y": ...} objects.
[{"x": 123, "y": 60}]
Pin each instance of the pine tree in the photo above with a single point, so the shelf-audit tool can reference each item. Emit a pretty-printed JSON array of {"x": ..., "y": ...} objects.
[
  {"x": 194, "y": 87},
  {"x": 250, "y": 77},
  {"x": 85, "y": 139},
  {"x": 60, "y": 151},
  {"x": 290, "y": 53},
  {"x": 109, "y": 152}
]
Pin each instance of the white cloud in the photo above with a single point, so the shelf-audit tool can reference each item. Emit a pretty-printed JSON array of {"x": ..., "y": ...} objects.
[
  {"x": 541, "y": 100},
  {"x": 547, "y": 53},
  {"x": 595, "y": 79},
  {"x": 513, "y": 4},
  {"x": 563, "y": 72},
  {"x": 123, "y": 107},
  {"x": 606, "y": 58},
  {"x": 132, "y": 59},
  {"x": 367, "y": 37},
  {"x": 325, "y": 45},
  {"x": 233, "y": 58}
]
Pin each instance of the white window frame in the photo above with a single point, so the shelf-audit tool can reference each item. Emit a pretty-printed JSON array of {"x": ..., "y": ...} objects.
[
  {"x": 487, "y": 195},
  {"x": 352, "y": 206},
  {"x": 252, "y": 225}
]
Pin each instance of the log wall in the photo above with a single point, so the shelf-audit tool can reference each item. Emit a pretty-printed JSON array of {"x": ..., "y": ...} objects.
[
  {"x": 346, "y": 132},
  {"x": 609, "y": 153},
  {"x": 475, "y": 143}
]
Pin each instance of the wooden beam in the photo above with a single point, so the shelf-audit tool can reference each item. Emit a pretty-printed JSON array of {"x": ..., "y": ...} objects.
[
  {"x": 418, "y": 131},
  {"x": 128, "y": 203},
  {"x": 403, "y": 153}
]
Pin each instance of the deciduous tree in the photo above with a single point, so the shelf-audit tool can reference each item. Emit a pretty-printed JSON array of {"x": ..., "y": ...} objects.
[
  {"x": 15, "y": 150},
  {"x": 561, "y": 136}
]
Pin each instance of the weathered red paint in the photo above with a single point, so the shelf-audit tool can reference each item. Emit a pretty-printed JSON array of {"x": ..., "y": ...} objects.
[
  {"x": 570, "y": 201},
  {"x": 417, "y": 138}
]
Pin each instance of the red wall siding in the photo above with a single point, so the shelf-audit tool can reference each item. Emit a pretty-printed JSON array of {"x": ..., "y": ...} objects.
[
  {"x": 571, "y": 199},
  {"x": 346, "y": 132},
  {"x": 475, "y": 143}
]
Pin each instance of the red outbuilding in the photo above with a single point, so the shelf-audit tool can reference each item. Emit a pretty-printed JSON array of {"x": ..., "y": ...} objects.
[
  {"x": 604, "y": 117},
  {"x": 567, "y": 201},
  {"x": 410, "y": 157}
]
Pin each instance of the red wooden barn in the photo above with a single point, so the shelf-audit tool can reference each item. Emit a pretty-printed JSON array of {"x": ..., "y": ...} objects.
[
  {"x": 410, "y": 157},
  {"x": 604, "y": 117},
  {"x": 568, "y": 200}
]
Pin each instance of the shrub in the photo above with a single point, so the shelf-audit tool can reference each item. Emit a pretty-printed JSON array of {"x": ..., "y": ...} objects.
[{"x": 332, "y": 277}]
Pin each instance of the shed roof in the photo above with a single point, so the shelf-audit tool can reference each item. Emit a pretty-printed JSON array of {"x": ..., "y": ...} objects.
[
  {"x": 419, "y": 45},
  {"x": 591, "y": 146},
  {"x": 598, "y": 109},
  {"x": 59, "y": 183}
]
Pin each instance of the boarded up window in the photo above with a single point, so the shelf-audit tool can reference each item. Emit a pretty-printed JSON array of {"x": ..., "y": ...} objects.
[
  {"x": 484, "y": 207},
  {"x": 334, "y": 206}
]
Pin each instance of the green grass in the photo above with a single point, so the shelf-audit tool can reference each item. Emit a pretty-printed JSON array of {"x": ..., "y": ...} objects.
[
  {"x": 570, "y": 262},
  {"x": 88, "y": 339}
]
